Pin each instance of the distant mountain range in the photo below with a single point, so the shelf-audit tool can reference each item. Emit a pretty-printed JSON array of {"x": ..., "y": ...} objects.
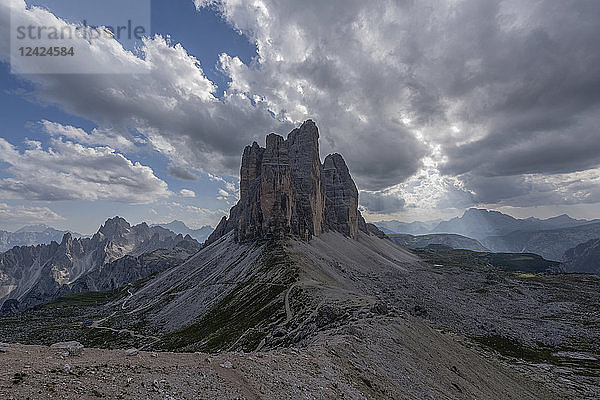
[
  {"x": 30, "y": 275},
  {"x": 480, "y": 223},
  {"x": 411, "y": 228},
  {"x": 550, "y": 244},
  {"x": 451, "y": 240},
  {"x": 499, "y": 232},
  {"x": 31, "y": 235},
  {"x": 180, "y": 227}
]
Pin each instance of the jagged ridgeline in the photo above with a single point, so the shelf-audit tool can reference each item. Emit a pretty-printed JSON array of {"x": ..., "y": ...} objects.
[
  {"x": 285, "y": 190},
  {"x": 116, "y": 255}
]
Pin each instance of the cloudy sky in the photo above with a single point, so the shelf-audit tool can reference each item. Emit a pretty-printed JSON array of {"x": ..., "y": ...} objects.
[{"x": 436, "y": 105}]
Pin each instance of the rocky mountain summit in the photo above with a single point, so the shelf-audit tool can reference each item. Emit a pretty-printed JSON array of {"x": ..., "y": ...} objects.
[
  {"x": 31, "y": 275},
  {"x": 180, "y": 227},
  {"x": 285, "y": 190}
]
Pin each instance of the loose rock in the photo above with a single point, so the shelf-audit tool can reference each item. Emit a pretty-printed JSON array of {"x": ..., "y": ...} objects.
[
  {"x": 73, "y": 348},
  {"x": 227, "y": 365},
  {"x": 132, "y": 352}
]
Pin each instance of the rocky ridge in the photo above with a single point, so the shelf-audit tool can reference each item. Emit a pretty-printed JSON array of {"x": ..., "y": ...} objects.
[
  {"x": 31, "y": 275},
  {"x": 285, "y": 190},
  {"x": 180, "y": 227}
]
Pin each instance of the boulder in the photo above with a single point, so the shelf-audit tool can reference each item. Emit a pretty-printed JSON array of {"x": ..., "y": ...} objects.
[
  {"x": 131, "y": 352},
  {"x": 74, "y": 348}
]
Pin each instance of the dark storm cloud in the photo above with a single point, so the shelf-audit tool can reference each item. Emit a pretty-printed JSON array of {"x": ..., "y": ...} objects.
[
  {"x": 536, "y": 97},
  {"x": 526, "y": 191},
  {"x": 540, "y": 152},
  {"x": 520, "y": 79},
  {"x": 181, "y": 173},
  {"x": 381, "y": 203}
]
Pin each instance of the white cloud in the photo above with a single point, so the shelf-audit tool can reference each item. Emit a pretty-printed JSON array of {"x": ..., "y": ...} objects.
[
  {"x": 172, "y": 103},
  {"x": 107, "y": 137},
  {"x": 15, "y": 215},
  {"x": 195, "y": 217},
  {"x": 187, "y": 193},
  {"x": 228, "y": 192},
  {"x": 70, "y": 171},
  {"x": 182, "y": 173}
]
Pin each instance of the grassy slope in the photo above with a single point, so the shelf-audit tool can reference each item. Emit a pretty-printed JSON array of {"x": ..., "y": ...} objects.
[{"x": 514, "y": 262}]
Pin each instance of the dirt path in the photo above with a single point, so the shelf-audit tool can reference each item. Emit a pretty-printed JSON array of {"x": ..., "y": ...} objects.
[
  {"x": 128, "y": 297},
  {"x": 96, "y": 325}
]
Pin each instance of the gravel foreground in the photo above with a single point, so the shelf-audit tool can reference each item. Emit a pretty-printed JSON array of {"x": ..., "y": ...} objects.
[{"x": 391, "y": 358}]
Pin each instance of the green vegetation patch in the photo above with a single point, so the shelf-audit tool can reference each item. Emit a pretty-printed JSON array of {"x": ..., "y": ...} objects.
[
  {"x": 513, "y": 348},
  {"x": 514, "y": 262},
  {"x": 84, "y": 299},
  {"x": 242, "y": 318}
]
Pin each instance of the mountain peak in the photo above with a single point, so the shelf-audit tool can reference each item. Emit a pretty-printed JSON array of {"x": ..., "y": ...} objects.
[
  {"x": 284, "y": 189},
  {"x": 177, "y": 226},
  {"x": 562, "y": 217},
  {"x": 177, "y": 223},
  {"x": 114, "y": 227},
  {"x": 66, "y": 240}
]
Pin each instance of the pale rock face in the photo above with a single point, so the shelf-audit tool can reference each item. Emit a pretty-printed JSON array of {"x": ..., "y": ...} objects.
[
  {"x": 341, "y": 196},
  {"x": 286, "y": 191},
  {"x": 276, "y": 192},
  {"x": 251, "y": 163},
  {"x": 303, "y": 145}
]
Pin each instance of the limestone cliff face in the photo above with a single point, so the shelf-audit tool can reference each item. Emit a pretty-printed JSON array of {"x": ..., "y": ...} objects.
[
  {"x": 251, "y": 163},
  {"x": 341, "y": 196},
  {"x": 285, "y": 190},
  {"x": 303, "y": 149}
]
